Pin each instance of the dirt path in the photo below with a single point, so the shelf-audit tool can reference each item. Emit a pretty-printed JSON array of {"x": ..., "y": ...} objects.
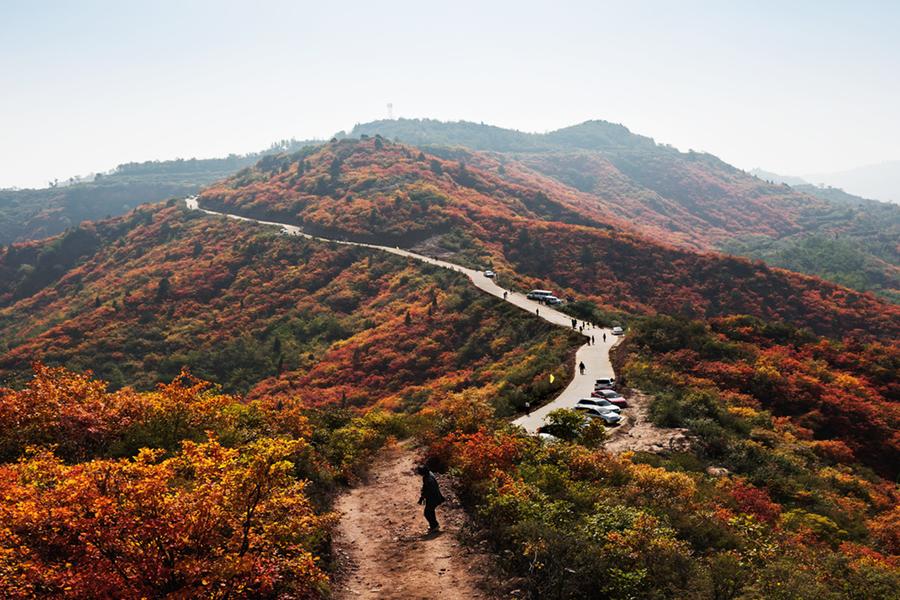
[{"x": 384, "y": 546}]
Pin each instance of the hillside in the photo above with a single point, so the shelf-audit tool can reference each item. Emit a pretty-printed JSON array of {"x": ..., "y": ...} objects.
[
  {"x": 687, "y": 198},
  {"x": 608, "y": 173},
  {"x": 33, "y": 214},
  {"x": 262, "y": 315},
  {"x": 373, "y": 189}
]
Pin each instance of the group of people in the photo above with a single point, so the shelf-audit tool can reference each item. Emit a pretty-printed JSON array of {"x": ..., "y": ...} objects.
[{"x": 593, "y": 341}]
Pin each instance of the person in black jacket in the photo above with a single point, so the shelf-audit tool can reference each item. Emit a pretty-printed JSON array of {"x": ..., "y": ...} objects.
[{"x": 431, "y": 496}]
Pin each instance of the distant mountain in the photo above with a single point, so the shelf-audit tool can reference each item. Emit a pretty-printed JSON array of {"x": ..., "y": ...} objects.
[
  {"x": 690, "y": 199},
  {"x": 881, "y": 181},
  {"x": 37, "y": 213},
  {"x": 590, "y": 135},
  {"x": 776, "y": 178}
]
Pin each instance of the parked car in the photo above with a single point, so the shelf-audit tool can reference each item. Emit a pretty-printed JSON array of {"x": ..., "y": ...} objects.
[
  {"x": 601, "y": 403},
  {"x": 605, "y": 383},
  {"x": 612, "y": 396},
  {"x": 553, "y": 300},
  {"x": 548, "y": 437},
  {"x": 549, "y": 433},
  {"x": 490, "y": 274},
  {"x": 618, "y": 330},
  {"x": 608, "y": 417}
]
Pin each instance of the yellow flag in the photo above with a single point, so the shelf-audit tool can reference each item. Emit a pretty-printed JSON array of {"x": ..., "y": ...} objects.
[{"x": 552, "y": 378}]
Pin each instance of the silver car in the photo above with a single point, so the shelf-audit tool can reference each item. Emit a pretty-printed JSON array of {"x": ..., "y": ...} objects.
[
  {"x": 608, "y": 417},
  {"x": 599, "y": 403}
]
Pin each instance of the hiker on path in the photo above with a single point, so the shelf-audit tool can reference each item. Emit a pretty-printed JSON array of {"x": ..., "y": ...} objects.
[
  {"x": 431, "y": 496},
  {"x": 574, "y": 323},
  {"x": 581, "y": 367},
  {"x": 504, "y": 295},
  {"x": 592, "y": 340},
  {"x": 528, "y": 408},
  {"x": 537, "y": 311},
  {"x": 604, "y": 338}
]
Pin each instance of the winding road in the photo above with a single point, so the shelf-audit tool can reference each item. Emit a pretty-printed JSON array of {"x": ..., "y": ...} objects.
[
  {"x": 382, "y": 551},
  {"x": 594, "y": 356}
]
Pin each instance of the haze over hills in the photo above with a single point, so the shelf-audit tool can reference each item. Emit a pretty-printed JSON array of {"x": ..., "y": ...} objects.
[
  {"x": 880, "y": 181},
  {"x": 36, "y": 213}
]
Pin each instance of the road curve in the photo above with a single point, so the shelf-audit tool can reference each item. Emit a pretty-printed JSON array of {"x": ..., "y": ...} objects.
[{"x": 594, "y": 356}]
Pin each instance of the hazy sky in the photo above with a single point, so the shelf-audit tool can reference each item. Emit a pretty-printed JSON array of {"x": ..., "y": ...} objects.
[{"x": 793, "y": 87}]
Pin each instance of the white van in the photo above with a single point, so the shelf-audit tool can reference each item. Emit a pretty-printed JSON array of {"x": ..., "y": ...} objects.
[{"x": 539, "y": 295}]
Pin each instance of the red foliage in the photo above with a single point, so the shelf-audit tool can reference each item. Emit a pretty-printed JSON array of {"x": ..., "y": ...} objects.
[
  {"x": 753, "y": 500},
  {"x": 393, "y": 194}
]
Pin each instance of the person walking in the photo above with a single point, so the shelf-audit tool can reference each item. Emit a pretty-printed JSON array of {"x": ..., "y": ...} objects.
[
  {"x": 604, "y": 338},
  {"x": 504, "y": 295},
  {"x": 592, "y": 340},
  {"x": 581, "y": 367},
  {"x": 528, "y": 408},
  {"x": 537, "y": 311},
  {"x": 431, "y": 496}
]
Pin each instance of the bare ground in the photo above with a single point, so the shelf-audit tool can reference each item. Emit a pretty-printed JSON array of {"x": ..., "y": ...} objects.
[
  {"x": 382, "y": 544},
  {"x": 639, "y": 434}
]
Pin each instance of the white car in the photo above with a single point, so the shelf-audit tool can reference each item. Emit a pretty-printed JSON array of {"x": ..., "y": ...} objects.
[
  {"x": 608, "y": 417},
  {"x": 600, "y": 404},
  {"x": 553, "y": 300},
  {"x": 490, "y": 274},
  {"x": 618, "y": 330}
]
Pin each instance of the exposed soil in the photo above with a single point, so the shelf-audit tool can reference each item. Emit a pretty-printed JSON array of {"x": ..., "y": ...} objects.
[
  {"x": 639, "y": 434},
  {"x": 383, "y": 547}
]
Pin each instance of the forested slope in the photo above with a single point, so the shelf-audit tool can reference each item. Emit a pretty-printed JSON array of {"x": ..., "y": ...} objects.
[{"x": 373, "y": 189}]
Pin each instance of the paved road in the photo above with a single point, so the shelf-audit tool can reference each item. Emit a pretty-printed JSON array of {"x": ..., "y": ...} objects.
[{"x": 594, "y": 356}]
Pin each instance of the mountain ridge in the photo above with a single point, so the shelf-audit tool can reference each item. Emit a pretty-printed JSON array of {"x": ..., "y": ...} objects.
[{"x": 424, "y": 195}]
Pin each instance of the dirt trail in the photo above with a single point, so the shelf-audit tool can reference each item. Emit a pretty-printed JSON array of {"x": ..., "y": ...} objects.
[{"x": 383, "y": 544}]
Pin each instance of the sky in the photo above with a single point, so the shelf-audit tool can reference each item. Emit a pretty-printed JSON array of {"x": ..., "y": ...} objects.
[{"x": 792, "y": 87}]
